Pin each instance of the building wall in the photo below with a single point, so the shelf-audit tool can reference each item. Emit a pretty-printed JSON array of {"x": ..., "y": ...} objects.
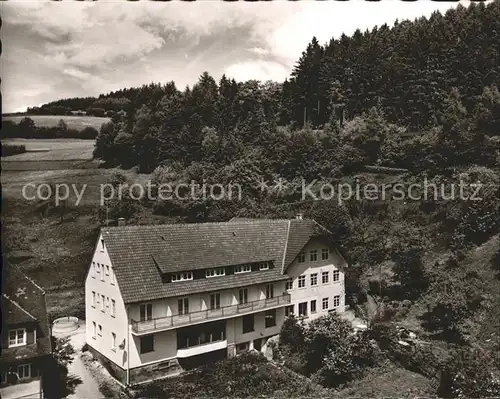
[
  {"x": 234, "y": 328},
  {"x": 165, "y": 342},
  {"x": 320, "y": 291},
  {"x": 165, "y": 348},
  {"x": 117, "y": 324},
  {"x": 198, "y": 302}
]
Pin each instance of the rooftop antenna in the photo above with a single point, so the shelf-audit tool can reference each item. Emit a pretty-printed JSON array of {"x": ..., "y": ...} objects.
[{"x": 107, "y": 214}]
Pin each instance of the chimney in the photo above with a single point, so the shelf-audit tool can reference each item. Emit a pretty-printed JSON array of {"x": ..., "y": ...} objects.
[
  {"x": 299, "y": 216},
  {"x": 121, "y": 221}
]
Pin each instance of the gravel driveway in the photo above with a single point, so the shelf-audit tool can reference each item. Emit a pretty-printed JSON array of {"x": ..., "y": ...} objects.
[{"x": 88, "y": 388}]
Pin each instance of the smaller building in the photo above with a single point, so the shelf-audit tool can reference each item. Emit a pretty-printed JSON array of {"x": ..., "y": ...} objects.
[{"x": 26, "y": 345}]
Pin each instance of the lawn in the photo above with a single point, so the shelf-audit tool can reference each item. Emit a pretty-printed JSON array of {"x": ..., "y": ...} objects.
[
  {"x": 51, "y": 149},
  {"x": 73, "y": 122},
  {"x": 55, "y": 254},
  {"x": 390, "y": 381}
]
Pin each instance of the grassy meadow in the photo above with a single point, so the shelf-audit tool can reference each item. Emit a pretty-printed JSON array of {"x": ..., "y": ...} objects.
[
  {"x": 73, "y": 122},
  {"x": 55, "y": 254},
  {"x": 51, "y": 150}
]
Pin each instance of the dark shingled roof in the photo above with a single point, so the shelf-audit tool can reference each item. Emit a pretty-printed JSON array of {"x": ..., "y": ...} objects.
[
  {"x": 23, "y": 303},
  {"x": 139, "y": 254}
]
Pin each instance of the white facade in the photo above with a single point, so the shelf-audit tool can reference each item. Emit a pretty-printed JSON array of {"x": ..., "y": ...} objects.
[
  {"x": 327, "y": 285},
  {"x": 116, "y": 331},
  {"x": 100, "y": 282}
]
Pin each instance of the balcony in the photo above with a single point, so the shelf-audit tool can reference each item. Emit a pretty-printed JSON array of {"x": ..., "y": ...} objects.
[
  {"x": 202, "y": 348},
  {"x": 175, "y": 321}
]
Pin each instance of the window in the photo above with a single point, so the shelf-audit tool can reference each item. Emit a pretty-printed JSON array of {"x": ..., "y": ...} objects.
[
  {"x": 113, "y": 308},
  {"x": 314, "y": 279},
  {"x": 269, "y": 291},
  {"x": 93, "y": 299},
  {"x": 97, "y": 268},
  {"x": 183, "y": 305},
  {"x": 325, "y": 277},
  {"x": 107, "y": 302},
  {"x": 214, "y": 301},
  {"x": 103, "y": 299},
  {"x": 325, "y": 303},
  {"x": 102, "y": 245},
  {"x": 100, "y": 330},
  {"x": 243, "y": 295},
  {"x": 336, "y": 301},
  {"x": 270, "y": 317},
  {"x": 182, "y": 276},
  {"x": 289, "y": 310},
  {"x": 98, "y": 298},
  {"x": 93, "y": 329},
  {"x": 107, "y": 270},
  {"x": 146, "y": 311},
  {"x": 313, "y": 306},
  {"x": 303, "y": 309},
  {"x": 302, "y": 281},
  {"x": 289, "y": 285},
  {"x": 324, "y": 254},
  {"x": 215, "y": 272},
  {"x": 102, "y": 272},
  {"x": 92, "y": 270},
  {"x": 24, "y": 371},
  {"x": 147, "y": 344},
  {"x": 242, "y": 269},
  {"x": 263, "y": 265},
  {"x": 302, "y": 257},
  {"x": 113, "y": 341},
  {"x": 111, "y": 276},
  {"x": 336, "y": 275},
  {"x": 17, "y": 337},
  {"x": 313, "y": 255},
  {"x": 242, "y": 347},
  {"x": 248, "y": 323}
]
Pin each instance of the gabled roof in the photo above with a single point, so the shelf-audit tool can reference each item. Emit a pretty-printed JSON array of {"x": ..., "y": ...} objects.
[
  {"x": 140, "y": 254},
  {"x": 23, "y": 302},
  {"x": 15, "y": 312}
]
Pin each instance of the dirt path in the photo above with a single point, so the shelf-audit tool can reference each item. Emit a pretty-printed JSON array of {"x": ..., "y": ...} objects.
[{"x": 88, "y": 388}]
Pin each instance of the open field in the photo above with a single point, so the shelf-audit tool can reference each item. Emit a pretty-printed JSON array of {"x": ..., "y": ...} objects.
[
  {"x": 73, "y": 122},
  {"x": 55, "y": 254},
  {"x": 51, "y": 150}
]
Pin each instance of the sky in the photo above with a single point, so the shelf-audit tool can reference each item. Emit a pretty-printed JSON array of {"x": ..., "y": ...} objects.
[{"x": 53, "y": 50}]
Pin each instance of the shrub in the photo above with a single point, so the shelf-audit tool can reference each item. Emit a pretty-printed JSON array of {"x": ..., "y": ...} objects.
[
  {"x": 334, "y": 353},
  {"x": 292, "y": 334},
  {"x": 88, "y": 132},
  {"x": 467, "y": 376},
  {"x": 12, "y": 149}
]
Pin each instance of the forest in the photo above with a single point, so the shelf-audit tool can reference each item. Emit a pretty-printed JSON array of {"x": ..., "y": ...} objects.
[{"x": 420, "y": 97}]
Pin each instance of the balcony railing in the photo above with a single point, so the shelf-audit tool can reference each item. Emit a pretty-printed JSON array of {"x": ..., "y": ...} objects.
[{"x": 167, "y": 322}]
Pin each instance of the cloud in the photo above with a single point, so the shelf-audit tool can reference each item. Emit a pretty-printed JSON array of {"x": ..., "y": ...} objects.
[
  {"x": 53, "y": 50},
  {"x": 259, "y": 50},
  {"x": 260, "y": 70}
]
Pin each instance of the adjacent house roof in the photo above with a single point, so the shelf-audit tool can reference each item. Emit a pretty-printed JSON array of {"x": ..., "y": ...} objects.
[
  {"x": 140, "y": 254},
  {"x": 23, "y": 303}
]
